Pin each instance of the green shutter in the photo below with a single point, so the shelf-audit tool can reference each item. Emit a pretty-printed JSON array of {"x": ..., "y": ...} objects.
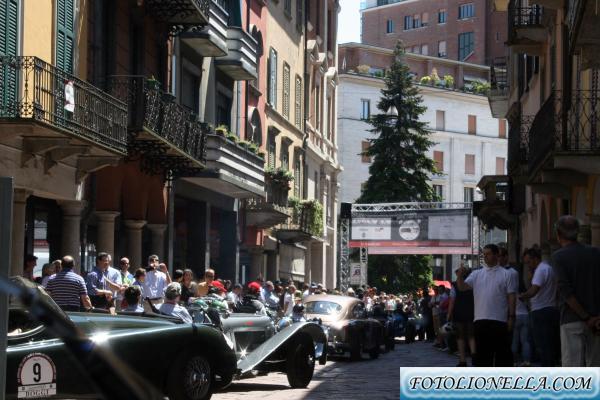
[
  {"x": 9, "y": 19},
  {"x": 64, "y": 35}
]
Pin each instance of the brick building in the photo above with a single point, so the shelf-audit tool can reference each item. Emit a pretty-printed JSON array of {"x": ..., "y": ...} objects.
[{"x": 463, "y": 30}]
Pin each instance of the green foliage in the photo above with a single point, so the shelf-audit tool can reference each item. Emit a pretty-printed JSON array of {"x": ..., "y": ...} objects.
[
  {"x": 426, "y": 80},
  {"x": 363, "y": 69},
  {"x": 401, "y": 168},
  {"x": 449, "y": 79},
  {"x": 279, "y": 175},
  {"x": 311, "y": 210},
  {"x": 222, "y": 130}
]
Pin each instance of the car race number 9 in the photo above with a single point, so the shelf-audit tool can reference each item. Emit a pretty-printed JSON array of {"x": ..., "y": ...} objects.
[{"x": 37, "y": 377}]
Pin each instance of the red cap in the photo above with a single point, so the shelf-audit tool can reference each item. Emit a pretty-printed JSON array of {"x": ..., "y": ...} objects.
[
  {"x": 254, "y": 286},
  {"x": 218, "y": 285}
]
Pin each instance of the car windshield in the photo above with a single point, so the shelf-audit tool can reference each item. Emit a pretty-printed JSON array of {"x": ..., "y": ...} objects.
[
  {"x": 323, "y": 307},
  {"x": 15, "y": 302}
]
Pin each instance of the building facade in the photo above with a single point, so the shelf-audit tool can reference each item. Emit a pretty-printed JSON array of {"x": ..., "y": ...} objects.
[
  {"x": 469, "y": 141},
  {"x": 465, "y": 31},
  {"x": 547, "y": 88}
]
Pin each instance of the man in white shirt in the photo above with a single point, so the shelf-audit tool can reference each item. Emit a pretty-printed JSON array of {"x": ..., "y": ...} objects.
[
  {"x": 155, "y": 283},
  {"x": 288, "y": 301},
  {"x": 545, "y": 318},
  {"x": 494, "y": 299}
]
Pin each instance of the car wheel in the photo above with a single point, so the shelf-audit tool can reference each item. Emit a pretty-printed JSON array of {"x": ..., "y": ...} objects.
[
  {"x": 355, "y": 349},
  {"x": 221, "y": 382},
  {"x": 374, "y": 352},
  {"x": 300, "y": 363},
  {"x": 190, "y": 378}
]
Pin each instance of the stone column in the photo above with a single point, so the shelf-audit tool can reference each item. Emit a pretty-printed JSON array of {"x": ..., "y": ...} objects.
[
  {"x": 134, "y": 242},
  {"x": 18, "y": 231},
  {"x": 158, "y": 239},
  {"x": 71, "y": 225},
  {"x": 595, "y": 228},
  {"x": 106, "y": 231}
]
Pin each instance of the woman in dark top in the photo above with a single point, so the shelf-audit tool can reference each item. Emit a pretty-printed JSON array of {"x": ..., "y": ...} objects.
[
  {"x": 188, "y": 286},
  {"x": 461, "y": 311}
]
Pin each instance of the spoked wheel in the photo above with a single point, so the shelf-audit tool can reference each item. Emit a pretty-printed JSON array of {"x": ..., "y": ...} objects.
[
  {"x": 190, "y": 379},
  {"x": 300, "y": 363}
]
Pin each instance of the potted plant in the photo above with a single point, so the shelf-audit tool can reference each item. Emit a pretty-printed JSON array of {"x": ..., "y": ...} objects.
[
  {"x": 222, "y": 130},
  {"x": 449, "y": 80}
]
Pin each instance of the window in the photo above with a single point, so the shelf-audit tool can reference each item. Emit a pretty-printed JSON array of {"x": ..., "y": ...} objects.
[
  {"x": 408, "y": 22},
  {"x": 416, "y": 21},
  {"x": 442, "y": 48},
  {"x": 297, "y": 176},
  {"x": 271, "y": 151},
  {"x": 416, "y": 49},
  {"x": 466, "y": 44},
  {"x": 472, "y": 125},
  {"x": 500, "y": 163},
  {"x": 469, "y": 164},
  {"x": 365, "y": 158},
  {"x": 272, "y": 79},
  {"x": 286, "y": 90},
  {"x": 425, "y": 19},
  {"x": 442, "y": 16},
  {"x": 9, "y": 35},
  {"x": 440, "y": 120},
  {"x": 365, "y": 111},
  {"x": 466, "y": 11},
  {"x": 438, "y": 159},
  {"x": 65, "y": 33},
  {"x": 299, "y": 14},
  {"x": 287, "y": 8},
  {"x": 425, "y": 50},
  {"x": 468, "y": 194},
  {"x": 298, "y": 106},
  {"x": 438, "y": 190},
  {"x": 284, "y": 157},
  {"x": 389, "y": 26},
  {"x": 502, "y": 128}
]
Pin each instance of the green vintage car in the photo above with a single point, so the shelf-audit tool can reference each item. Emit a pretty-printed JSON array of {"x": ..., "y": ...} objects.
[{"x": 181, "y": 360}]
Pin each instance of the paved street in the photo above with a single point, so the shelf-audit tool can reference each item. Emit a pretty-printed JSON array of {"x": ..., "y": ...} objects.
[{"x": 342, "y": 379}]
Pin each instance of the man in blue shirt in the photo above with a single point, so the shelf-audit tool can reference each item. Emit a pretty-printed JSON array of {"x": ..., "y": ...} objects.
[{"x": 98, "y": 286}]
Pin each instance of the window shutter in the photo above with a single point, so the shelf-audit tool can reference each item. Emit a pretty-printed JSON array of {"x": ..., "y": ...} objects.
[
  {"x": 298, "y": 105},
  {"x": 472, "y": 125},
  {"x": 271, "y": 152},
  {"x": 440, "y": 120},
  {"x": 470, "y": 164},
  {"x": 297, "y": 176},
  {"x": 9, "y": 19},
  {"x": 365, "y": 147},
  {"x": 438, "y": 159},
  {"x": 64, "y": 35},
  {"x": 502, "y": 128},
  {"x": 286, "y": 91},
  {"x": 500, "y": 161}
]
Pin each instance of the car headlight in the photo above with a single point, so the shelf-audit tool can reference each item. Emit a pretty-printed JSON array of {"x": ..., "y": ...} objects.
[{"x": 228, "y": 341}]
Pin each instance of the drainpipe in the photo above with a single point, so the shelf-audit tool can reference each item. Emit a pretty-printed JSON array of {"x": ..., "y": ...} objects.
[
  {"x": 306, "y": 100},
  {"x": 248, "y": 3}
]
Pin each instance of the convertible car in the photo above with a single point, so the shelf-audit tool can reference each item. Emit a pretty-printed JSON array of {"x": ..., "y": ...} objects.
[{"x": 350, "y": 330}]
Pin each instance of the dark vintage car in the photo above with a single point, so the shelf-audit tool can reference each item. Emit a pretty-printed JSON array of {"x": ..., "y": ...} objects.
[
  {"x": 261, "y": 348},
  {"x": 350, "y": 330},
  {"x": 181, "y": 360}
]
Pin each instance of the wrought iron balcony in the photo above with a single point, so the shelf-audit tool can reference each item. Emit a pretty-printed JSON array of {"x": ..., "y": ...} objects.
[
  {"x": 494, "y": 210},
  {"x": 240, "y": 61},
  {"x": 160, "y": 127},
  {"x": 584, "y": 32},
  {"x": 566, "y": 126},
  {"x": 272, "y": 210},
  {"x": 499, "y": 87},
  {"x": 209, "y": 40},
  {"x": 180, "y": 12},
  {"x": 34, "y": 90},
  {"x": 518, "y": 144},
  {"x": 526, "y": 31}
]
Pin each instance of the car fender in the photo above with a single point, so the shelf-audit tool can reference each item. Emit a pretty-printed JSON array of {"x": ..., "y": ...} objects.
[{"x": 281, "y": 339}]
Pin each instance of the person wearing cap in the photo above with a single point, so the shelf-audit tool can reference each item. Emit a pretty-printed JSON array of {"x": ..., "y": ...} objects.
[
  {"x": 30, "y": 263},
  {"x": 171, "y": 305},
  {"x": 219, "y": 287},
  {"x": 250, "y": 302}
]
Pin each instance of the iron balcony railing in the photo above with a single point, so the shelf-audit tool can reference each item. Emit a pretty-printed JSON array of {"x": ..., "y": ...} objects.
[
  {"x": 566, "y": 124},
  {"x": 522, "y": 17},
  {"x": 499, "y": 77},
  {"x": 180, "y": 12},
  {"x": 277, "y": 197},
  {"x": 30, "y": 88},
  {"x": 518, "y": 142},
  {"x": 153, "y": 110}
]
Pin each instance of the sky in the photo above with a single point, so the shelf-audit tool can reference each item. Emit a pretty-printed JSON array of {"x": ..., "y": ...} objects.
[{"x": 349, "y": 21}]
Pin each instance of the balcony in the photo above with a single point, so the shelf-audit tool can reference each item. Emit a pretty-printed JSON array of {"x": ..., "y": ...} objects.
[
  {"x": 168, "y": 135},
  {"x": 526, "y": 32},
  {"x": 499, "y": 86},
  {"x": 209, "y": 40},
  {"x": 179, "y": 12},
  {"x": 584, "y": 32},
  {"x": 518, "y": 145},
  {"x": 494, "y": 210},
  {"x": 240, "y": 62},
  {"x": 231, "y": 169},
  {"x": 565, "y": 135},
  {"x": 60, "y": 116},
  {"x": 271, "y": 211},
  {"x": 305, "y": 223}
]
